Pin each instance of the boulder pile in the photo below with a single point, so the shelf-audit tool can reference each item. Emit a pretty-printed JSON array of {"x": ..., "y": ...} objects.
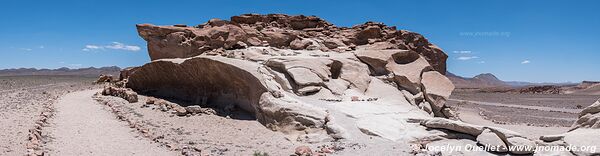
[
  {"x": 124, "y": 93},
  {"x": 300, "y": 74}
]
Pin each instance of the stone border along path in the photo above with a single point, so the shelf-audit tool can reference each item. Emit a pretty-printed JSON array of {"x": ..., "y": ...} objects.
[{"x": 83, "y": 127}]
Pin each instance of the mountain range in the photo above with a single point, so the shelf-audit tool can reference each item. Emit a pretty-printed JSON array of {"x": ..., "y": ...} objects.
[
  {"x": 88, "y": 72},
  {"x": 488, "y": 80}
]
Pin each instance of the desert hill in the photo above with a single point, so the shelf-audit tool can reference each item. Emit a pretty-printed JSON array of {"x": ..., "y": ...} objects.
[{"x": 486, "y": 80}]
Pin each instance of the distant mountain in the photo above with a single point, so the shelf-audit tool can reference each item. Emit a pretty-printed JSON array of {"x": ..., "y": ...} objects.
[
  {"x": 486, "y": 80},
  {"x": 91, "y": 71},
  {"x": 523, "y": 84}
]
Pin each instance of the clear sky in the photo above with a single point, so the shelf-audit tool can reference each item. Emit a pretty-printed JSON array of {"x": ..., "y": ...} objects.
[{"x": 525, "y": 40}]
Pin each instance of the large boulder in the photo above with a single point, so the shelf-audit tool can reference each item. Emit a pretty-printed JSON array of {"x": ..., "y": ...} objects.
[
  {"x": 490, "y": 140},
  {"x": 457, "y": 126},
  {"x": 437, "y": 88},
  {"x": 407, "y": 70},
  {"x": 377, "y": 59},
  {"x": 589, "y": 117}
]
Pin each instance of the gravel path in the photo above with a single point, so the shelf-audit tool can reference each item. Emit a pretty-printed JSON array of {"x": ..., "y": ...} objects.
[{"x": 83, "y": 127}]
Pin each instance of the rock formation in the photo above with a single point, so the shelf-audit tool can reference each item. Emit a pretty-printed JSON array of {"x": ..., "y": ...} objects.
[
  {"x": 584, "y": 132},
  {"x": 283, "y": 32},
  {"x": 302, "y": 75}
]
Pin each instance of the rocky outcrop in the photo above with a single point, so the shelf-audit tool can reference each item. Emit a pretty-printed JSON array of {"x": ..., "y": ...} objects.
[
  {"x": 284, "y": 32},
  {"x": 583, "y": 133},
  {"x": 295, "y": 74},
  {"x": 496, "y": 139},
  {"x": 589, "y": 117}
]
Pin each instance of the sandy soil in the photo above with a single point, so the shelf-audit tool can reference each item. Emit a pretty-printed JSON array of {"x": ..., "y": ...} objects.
[
  {"x": 21, "y": 101},
  {"x": 532, "y": 132},
  {"x": 530, "y": 114},
  {"x": 82, "y": 127}
]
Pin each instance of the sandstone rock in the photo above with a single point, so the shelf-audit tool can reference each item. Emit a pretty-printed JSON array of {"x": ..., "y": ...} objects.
[
  {"x": 334, "y": 130},
  {"x": 105, "y": 78},
  {"x": 215, "y": 22},
  {"x": 437, "y": 90},
  {"x": 457, "y": 126},
  {"x": 377, "y": 59},
  {"x": 299, "y": 44},
  {"x": 303, "y": 151},
  {"x": 287, "y": 114},
  {"x": 151, "y": 100},
  {"x": 216, "y": 77},
  {"x": 368, "y": 33},
  {"x": 274, "y": 66},
  {"x": 194, "y": 109},
  {"x": 124, "y": 93},
  {"x": 354, "y": 72},
  {"x": 583, "y": 137},
  {"x": 333, "y": 43},
  {"x": 407, "y": 70},
  {"x": 426, "y": 106},
  {"x": 551, "y": 138},
  {"x": 179, "y": 110},
  {"x": 489, "y": 139},
  {"x": 588, "y": 117},
  {"x": 309, "y": 89},
  {"x": 516, "y": 143},
  {"x": 252, "y": 29},
  {"x": 124, "y": 74},
  {"x": 305, "y": 77},
  {"x": 224, "y": 81},
  {"x": 278, "y": 38}
]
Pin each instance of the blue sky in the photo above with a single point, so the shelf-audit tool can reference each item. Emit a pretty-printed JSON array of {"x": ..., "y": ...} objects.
[{"x": 525, "y": 40}]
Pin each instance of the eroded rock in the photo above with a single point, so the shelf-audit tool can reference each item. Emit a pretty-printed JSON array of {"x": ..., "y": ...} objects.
[
  {"x": 124, "y": 93},
  {"x": 282, "y": 31}
]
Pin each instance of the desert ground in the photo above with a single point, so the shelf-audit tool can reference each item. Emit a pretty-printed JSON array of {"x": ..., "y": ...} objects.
[
  {"x": 531, "y": 114},
  {"x": 79, "y": 121},
  {"x": 22, "y": 100},
  {"x": 80, "y": 117}
]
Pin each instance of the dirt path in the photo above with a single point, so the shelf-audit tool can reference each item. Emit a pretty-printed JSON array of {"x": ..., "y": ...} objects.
[{"x": 83, "y": 127}]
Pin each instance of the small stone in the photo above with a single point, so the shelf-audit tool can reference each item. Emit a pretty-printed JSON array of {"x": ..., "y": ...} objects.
[{"x": 303, "y": 151}]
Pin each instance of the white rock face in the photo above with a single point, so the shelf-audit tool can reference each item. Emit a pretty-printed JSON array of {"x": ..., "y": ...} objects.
[
  {"x": 437, "y": 90},
  {"x": 316, "y": 89}
]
